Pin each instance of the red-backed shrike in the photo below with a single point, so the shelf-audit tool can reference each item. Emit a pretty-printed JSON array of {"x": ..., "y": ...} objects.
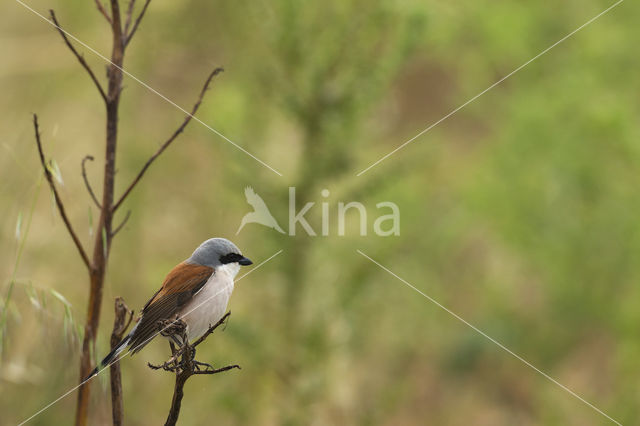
[{"x": 196, "y": 291}]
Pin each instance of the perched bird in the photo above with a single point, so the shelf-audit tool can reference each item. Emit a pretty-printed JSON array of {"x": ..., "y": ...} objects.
[
  {"x": 196, "y": 291},
  {"x": 260, "y": 213}
]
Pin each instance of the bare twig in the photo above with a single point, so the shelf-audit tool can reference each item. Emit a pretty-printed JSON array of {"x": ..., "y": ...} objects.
[
  {"x": 168, "y": 141},
  {"x": 186, "y": 366},
  {"x": 217, "y": 370},
  {"x": 80, "y": 58},
  {"x": 86, "y": 181},
  {"x": 119, "y": 227},
  {"x": 59, "y": 203},
  {"x": 129, "y": 36},
  {"x": 211, "y": 329},
  {"x": 103, "y": 11},
  {"x": 122, "y": 30},
  {"x": 102, "y": 244},
  {"x": 121, "y": 322},
  {"x": 127, "y": 23}
]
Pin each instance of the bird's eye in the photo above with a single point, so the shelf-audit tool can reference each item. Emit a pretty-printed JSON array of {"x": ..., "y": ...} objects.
[{"x": 230, "y": 258}]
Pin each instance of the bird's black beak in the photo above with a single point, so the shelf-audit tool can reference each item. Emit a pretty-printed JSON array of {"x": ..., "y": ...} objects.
[{"x": 245, "y": 261}]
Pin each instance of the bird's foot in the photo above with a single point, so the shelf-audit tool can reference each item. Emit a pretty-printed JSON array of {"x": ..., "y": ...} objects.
[
  {"x": 172, "y": 328},
  {"x": 170, "y": 365}
]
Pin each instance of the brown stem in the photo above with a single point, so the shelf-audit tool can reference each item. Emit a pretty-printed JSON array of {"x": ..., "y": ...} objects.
[
  {"x": 103, "y": 11},
  {"x": 80, "y": 58},
  {"x": 102, "y": 246},
  {"x": 98, "y": 265},
  {"x": 86, "y": 181},
  {"x": 59, "y": 203},
  {"x": 178, "y": 391},
  {"x": 121, "y": 322},
  {"x": 168, "y": 141},
  {"x": 129, "y": 36},
  {"x": 127, "y": 23},
  {"x": 178, "y": 394}
]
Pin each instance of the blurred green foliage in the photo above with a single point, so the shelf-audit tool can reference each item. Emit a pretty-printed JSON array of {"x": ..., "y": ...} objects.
[{"x": 518, "y": 213}]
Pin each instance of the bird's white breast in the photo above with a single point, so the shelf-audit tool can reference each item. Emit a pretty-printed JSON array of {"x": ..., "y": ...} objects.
[{"x": 210, "y": 303}]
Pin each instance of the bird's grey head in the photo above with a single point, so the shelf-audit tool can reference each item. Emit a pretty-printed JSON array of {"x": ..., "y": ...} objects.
[{"x": 216, "y": 252}]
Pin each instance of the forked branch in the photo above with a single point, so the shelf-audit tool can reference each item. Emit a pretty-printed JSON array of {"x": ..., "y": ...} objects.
[
  {"x": 136, "y": 24},
  {"x": 127, "y": 22},
  {"x": 80, "y": 58},
  {"x": 168, "y": 141},
  {"x": 182, "y": 361},
  {"x": 122, "y": 33},
  {"x": 103, "y": 11},
  {"x": 58, "y": 200}
]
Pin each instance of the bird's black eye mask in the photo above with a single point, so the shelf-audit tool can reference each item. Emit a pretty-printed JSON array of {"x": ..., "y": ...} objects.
[{"x": 234, "y": 257}]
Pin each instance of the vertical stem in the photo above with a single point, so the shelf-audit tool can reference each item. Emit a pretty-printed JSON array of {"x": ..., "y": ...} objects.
[
  {"x": 186, "y": 370},
  {"x": 103, "y": 236},
  {"x": 120, "y": 324},
  {"x": 178, "y": 393}
]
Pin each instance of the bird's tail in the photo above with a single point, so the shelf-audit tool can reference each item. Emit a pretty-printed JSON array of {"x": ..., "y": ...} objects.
[{"x": 111, "y": 356}]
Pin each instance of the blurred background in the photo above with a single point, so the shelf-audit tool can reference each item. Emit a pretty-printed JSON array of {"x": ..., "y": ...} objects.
[{"x": 519, "y": 213}]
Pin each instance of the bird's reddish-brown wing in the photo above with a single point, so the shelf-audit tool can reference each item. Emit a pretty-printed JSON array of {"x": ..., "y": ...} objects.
[{"x": 179, "y": 286}]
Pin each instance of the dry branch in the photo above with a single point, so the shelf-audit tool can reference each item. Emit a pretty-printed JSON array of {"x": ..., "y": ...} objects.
[
  {"x": 102, "y": 244},
  {"x": 80, "y": 58},
  {"x": 129, "y": 36},
  {"x": 121, "y": 322},
  {"x": 103, "y": 11},
  {"x": 110, "y": 94},
  {"x": 127, "y": 23},
  {"x": 124, "y": 222},
  {"x": 59, "y": 203},
  {"x": 168, "y": 141},
  {"x": 182, "y": 361},
  {"x": 86, "y": 181}
]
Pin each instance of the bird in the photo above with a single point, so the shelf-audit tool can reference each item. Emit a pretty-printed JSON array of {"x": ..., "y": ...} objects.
[
  {"x": 260, "y": 213},
  {"x": 196, "y": 291}
]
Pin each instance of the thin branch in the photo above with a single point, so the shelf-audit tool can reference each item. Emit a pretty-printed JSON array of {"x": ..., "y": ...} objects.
[
  {"x": 80, "y": 58},
  {"x": 129, "y": 36},
  {"x": 218, "y": 370},
  {"x": 211, "y": 329},
  {"x": 103, "y": 11},
  {"x": 168, "y": 141},
  {"x": 127, "y": 24},
  {"x": 59, "y": 203},
  {"x": 123, "y": 317},
  {"x": 86, "y": 181},
  {"x": 119, "y": 227}
]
